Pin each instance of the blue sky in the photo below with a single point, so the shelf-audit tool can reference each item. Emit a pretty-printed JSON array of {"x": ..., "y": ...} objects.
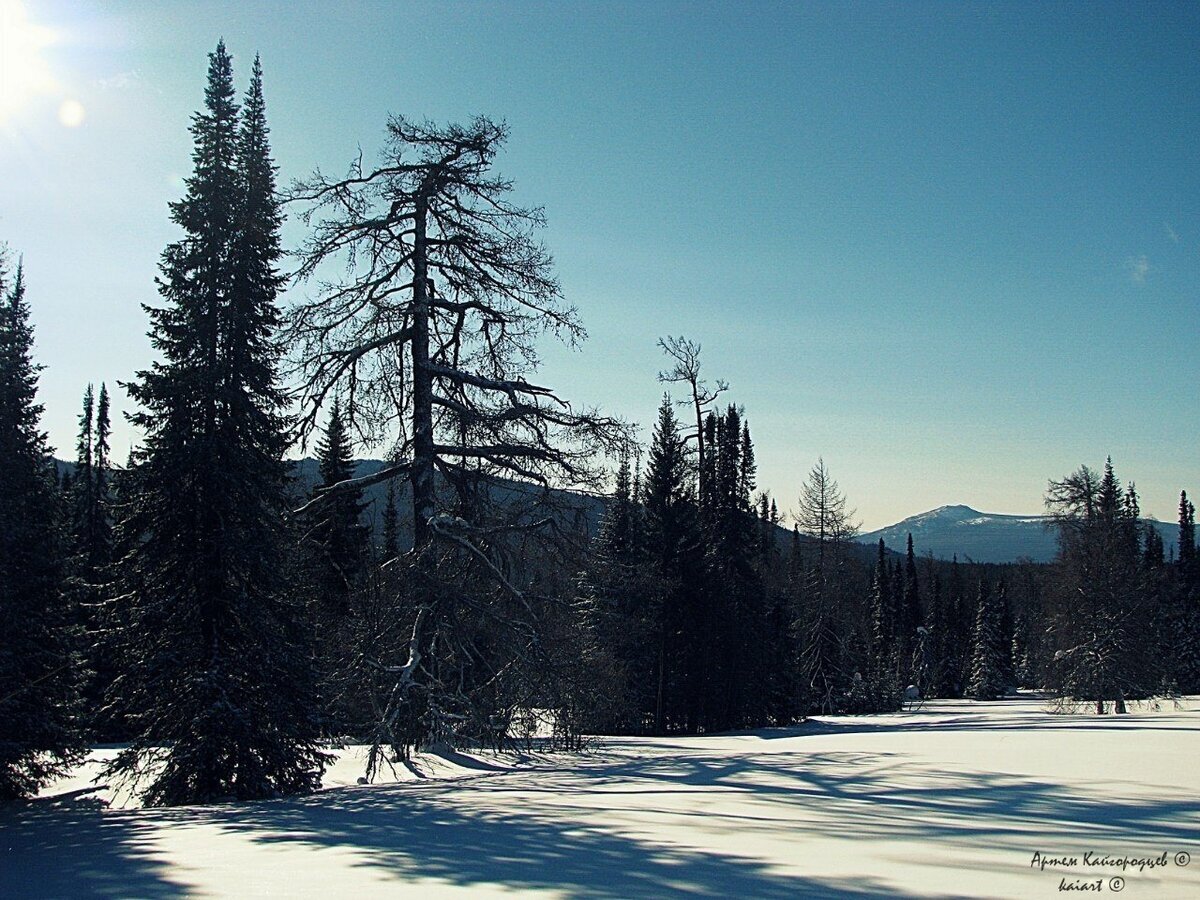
[{"x": 954, "y": 249}]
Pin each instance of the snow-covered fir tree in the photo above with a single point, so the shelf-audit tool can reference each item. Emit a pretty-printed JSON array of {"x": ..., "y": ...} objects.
[{"x": 990, "y": 652}]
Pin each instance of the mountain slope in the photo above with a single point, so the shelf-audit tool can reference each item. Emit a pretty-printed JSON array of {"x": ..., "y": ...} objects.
[{"x": 964, "y": 532}]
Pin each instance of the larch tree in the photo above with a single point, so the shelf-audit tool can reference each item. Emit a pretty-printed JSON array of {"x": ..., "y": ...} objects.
[
  {"x": 823, "y": 516},
  {"x": 215, "y": 676},
  {"x": 429, "y": 336},
  {"x": 39, "y": 737},
  {"x": 685, "y": 355}
]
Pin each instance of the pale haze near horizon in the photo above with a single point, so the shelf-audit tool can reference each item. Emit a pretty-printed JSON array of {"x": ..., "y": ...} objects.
[{"x": 951, "y": 249}]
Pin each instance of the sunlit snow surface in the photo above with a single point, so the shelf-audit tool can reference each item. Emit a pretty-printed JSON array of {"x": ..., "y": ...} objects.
[{"x": 950, "y": 801}]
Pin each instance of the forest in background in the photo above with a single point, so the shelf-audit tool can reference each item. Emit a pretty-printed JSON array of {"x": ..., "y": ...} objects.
[{"x": 226, "y": 626}]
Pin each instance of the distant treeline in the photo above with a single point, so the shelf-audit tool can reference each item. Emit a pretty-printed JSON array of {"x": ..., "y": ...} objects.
[{"x": 227, "y": 618}]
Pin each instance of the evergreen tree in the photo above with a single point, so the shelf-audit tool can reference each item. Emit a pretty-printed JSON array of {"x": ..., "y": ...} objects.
[
  {"x": 101, "y": 526},
  {"x": 83, "y": 485},
  {"x": 1187, "y": 533},
  {"x": 622, "y": 618},
  {"x": 1154, "y": 554},
  {"x": 1008, "y": 675},
  {"x": 91, "y": 555},
  {"x": 1022, "y": 661},
  {"x": 883, "y": 628},
  {"x": 391, "y": 524},
  {"x": 1100, "y": 604},
  {"x": 989, "y": 648},
  {"x": 216, "y": 678},
  {"x": 39, "y": 737},
  {"x": 682, "y": 621},
  {"x": 735, "y": 590},
  {"x": 909, "y": 616},
  {"x": 338, "y": 536},
  {"x": 1180, "y": 640},
  {"x": 747, "y": 469},
  {"x": 938, "y": 622},
  {"x": 91, "y": 489},
  {"x": 958, "y": 635}
]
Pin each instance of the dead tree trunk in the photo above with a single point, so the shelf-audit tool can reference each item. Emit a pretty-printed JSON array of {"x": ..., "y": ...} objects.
[{"x": 423, "y": 454}]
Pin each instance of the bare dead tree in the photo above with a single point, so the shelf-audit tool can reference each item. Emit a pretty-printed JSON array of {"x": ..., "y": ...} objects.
[
  {"x": 686, "y": 370},
  {"x": 432, "y": 293}
]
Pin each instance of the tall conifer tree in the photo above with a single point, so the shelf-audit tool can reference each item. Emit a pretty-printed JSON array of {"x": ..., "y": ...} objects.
[
  {"x": 91, "y": 554},
  {"x": 391, "y": 524},
  {"x": 38, "y": 669},
  {"x": 990, "y": 649},
  {"x": 338, "y": 536},
  {"x": 216, "y": 677},
  {"x": 1187, "y": 532},
  {"x": 681, "y": 615}
]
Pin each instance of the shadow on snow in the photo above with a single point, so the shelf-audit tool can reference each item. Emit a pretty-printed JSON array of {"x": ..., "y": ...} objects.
[{"x": 70, "y": 846}]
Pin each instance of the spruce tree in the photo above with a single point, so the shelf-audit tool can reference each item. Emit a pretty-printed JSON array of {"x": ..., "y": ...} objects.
[
  {"x": 91, "y": 513},
  {"x": 83, "y": 485},
  {"x": 681, "y": 617},
  {"x": 216, "y": 678},
  {"x": 338, "y": 537},
  {"x": 908, "y": 616},
  {"x": 91, "y": 555},
  {"x": 938, "y": 622},
  {"x": 621, "y": 608},
  {"x": 989, "y": 649},
  {"x": 883, "y": 629},
  {"x": 1100, "y": 604},
  {"x": 391, "y": 524},
  {"x": 39, "y": 738},
  {"x": 101, "y": 513},
  {"x": 959, "y": 634},
  {"x": 1187, "y": 533},
  {"x": 1182, "y": 637}
]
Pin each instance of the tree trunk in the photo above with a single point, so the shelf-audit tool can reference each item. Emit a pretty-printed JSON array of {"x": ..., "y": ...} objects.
[
  {"x": 423, "y": 452},
  {"x": 699, "y": 441},
  {"x": 662, "y": 666}
]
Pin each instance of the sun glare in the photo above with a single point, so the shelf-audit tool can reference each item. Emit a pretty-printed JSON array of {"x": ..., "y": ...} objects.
[{"x": 23, "y": 72}]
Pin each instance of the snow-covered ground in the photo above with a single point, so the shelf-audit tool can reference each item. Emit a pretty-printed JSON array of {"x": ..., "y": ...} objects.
[{"x": 954, "y": 800}]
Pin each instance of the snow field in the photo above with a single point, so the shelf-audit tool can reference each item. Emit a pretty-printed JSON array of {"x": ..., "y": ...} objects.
[{"x": 950, "y": 801}]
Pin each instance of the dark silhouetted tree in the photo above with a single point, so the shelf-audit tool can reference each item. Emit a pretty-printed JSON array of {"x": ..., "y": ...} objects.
[
  {"x": 215, "y": 671},
  {"x": 429, "y": 340},
  {"x": 1102, "y": 649},
  {"x": 337, "y": 537},
  {"x": 39, "y": 669}
]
